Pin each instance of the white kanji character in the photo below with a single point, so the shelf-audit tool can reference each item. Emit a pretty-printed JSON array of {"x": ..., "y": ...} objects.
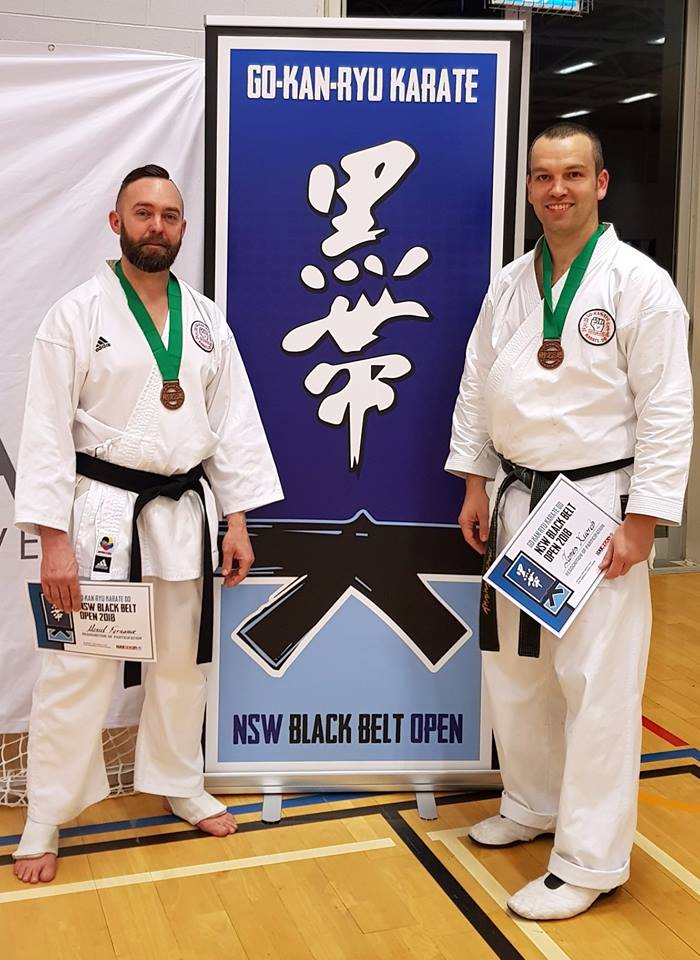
[
  {"x": 352, "y": 328},
  {"x": 411, "y": 262},
  {"x": 372, "y": 174},
  {"x": 312, "y": 277},
  {"x": 366, "y": 389}
]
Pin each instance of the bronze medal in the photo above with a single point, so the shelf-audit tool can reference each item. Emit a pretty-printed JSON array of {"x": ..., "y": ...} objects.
[
  {"x": 551, "y": 354},
  {"x": 172, "y": 396}
]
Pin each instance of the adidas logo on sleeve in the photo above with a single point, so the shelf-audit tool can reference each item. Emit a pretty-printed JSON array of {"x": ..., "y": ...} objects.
[{"x": 101, "y": 344}]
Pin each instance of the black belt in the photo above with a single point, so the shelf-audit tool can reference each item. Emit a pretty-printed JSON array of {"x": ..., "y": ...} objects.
[
  {"x": 148, "y": 486},
  {"x": 538, "y": 482}
]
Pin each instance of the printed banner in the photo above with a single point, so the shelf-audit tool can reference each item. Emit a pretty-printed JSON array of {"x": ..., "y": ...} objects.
[{"x": 360, "y": 212}]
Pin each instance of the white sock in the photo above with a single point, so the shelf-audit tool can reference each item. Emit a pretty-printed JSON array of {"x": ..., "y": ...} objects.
[
  {"x": 502, "y": 832},
  {"x": 538, "y": 901}
]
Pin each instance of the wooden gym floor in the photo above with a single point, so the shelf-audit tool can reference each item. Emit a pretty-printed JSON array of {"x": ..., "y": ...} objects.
[{"x": 362, "y": 877}]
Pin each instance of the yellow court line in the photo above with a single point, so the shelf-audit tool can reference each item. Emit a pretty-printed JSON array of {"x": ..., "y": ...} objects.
[
  {"x": 677, "y": 870},
  {"x": 654, "y": 801},
  {"x": 532, "y": 930},
  {"x": 199, "y": 869}
]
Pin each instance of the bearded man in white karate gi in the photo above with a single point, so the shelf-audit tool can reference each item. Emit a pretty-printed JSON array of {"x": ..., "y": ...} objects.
[
  {"x": 136, "y": 388},
  {"x": 607, "y": 400}
]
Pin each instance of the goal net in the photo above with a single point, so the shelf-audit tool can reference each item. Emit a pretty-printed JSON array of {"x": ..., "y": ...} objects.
[{"x": 118, "y": 745}]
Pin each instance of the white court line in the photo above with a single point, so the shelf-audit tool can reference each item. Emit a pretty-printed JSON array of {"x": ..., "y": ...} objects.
[
  {"x": 677, "y": 870},
  {"x": 196, "y": 870},
  {"x": 532, "y": 930}
]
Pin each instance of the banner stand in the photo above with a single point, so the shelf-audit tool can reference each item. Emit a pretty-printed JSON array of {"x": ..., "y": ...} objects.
[
  {"x": 361, "y": 190},
  {"x": 272, "y": 806},
  {"x": 427, "y": 808}
]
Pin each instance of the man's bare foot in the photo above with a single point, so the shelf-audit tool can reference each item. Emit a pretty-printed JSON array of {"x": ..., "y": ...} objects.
[
  {"x": 222, "y": 825},
  {"x": 36, "y": 869}
]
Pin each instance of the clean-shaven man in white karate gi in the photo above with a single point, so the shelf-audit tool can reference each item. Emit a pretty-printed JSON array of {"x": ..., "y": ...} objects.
[
  {"x": 607, "y": 399},
  {"x": 103, "y": 391}
]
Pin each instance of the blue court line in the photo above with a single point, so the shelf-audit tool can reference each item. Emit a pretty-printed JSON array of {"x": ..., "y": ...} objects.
[
  {"x": 112, "y": 826},
  {"x": 686, "y": 753}
]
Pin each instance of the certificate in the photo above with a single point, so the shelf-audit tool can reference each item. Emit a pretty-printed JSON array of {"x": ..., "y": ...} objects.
[
  {"x": 551, "y": 566},
  {"x": 115, "y": 620}
]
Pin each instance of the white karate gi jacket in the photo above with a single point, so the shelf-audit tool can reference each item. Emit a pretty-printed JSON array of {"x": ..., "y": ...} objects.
[
  {"x": 94, "y": 387},
  {"x": 628, "y": 396}
]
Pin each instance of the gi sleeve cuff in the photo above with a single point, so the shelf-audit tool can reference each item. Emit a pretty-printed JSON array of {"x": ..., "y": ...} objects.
[
  {"x": 485, "y": 465},
  {"x": 665, "y": 511},
  {"x": 245, "y": 506},
  {"x": 32, "y": 526}
]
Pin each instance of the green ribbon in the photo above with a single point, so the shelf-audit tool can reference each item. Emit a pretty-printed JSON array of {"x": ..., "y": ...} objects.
[
  {"x": 554, "y": 319},
  {"x": 168, "y": 360}
]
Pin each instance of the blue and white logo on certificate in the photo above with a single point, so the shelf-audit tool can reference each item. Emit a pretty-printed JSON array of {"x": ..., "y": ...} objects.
[
  {"x": 531, "y": 579},
  {"x": 538, "y": 584}
]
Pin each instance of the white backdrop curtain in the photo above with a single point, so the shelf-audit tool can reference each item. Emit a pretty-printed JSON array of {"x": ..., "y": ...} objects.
[{"x": 73, "y": 121}]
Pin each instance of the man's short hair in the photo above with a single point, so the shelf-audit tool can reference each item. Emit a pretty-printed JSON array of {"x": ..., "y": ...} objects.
[
  {"x": 138, "y": 173},
  {"x": 564, "y": 129}
]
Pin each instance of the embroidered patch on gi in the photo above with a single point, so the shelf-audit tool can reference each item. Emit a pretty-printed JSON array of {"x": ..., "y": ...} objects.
[
  {"x": 101, "y": 344},
  {"x": 201, "y": 334},
  {"x": 105, "y": 545},
  {"x": 597, "y": 327},
  {"x": 102, "y": 564}
]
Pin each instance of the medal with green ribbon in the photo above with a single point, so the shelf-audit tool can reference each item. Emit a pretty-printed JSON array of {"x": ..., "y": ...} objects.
[
  {"x": 172, "y": 396},
  {"x": 551, "y": 353}
]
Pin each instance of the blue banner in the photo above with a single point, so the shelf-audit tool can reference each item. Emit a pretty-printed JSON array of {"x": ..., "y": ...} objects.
[
  {"x": 438, "y": 198},
  {"x": 360, "y": 216}
]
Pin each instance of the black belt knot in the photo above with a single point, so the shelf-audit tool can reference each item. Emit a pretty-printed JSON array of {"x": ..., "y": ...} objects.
[
  {"x": 538, "y": 482},
  {"x": 147, "y": 486}
]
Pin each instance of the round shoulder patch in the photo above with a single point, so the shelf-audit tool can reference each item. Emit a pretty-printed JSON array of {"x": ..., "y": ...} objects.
[
  {"x": 597, "y": 327},
  {"x": 201, "y": 334}
]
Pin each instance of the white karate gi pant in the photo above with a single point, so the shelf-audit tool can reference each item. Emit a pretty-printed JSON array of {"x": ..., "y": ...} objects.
[
  {"x": 66, "y": 770},
  {"x": 568, "y": 724}
]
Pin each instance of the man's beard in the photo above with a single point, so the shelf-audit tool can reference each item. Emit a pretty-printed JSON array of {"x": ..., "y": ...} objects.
[{"x": 150, "y": 261}]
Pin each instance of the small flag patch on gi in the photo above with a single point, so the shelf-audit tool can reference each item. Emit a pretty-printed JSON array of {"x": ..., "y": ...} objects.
[{"x": 101, "y": 344}]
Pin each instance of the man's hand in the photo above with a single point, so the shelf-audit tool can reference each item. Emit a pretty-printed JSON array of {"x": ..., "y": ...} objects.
[
  {"x": 631, "y": 543},
  {"x": 59, "y": 570},
  {"x": 474, "y": 516},
  {"x": 237, "y": 551}
]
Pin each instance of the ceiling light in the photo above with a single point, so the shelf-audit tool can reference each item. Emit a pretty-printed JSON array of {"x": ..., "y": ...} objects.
[
  {"x": 575, "y": 67},
  {"x": 574, "y": 113},
  {"x": 658, "y": 41},
  {"x": 640, "y": 96}
]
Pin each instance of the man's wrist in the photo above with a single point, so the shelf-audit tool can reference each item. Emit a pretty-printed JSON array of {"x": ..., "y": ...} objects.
[
  {"x": 236, "y": 520},
  {"x": 475, "y": 482},
  {"x": 641, "y": 520},
  {"x": 52, "y": 534}
]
